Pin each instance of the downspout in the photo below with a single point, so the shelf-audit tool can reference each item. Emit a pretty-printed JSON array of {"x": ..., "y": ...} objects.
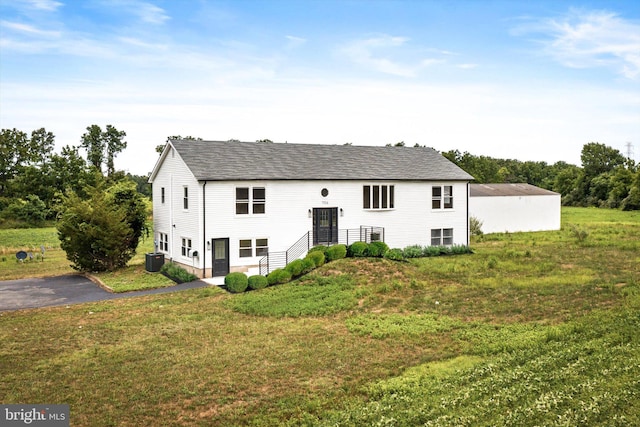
[
  {"x": 468, "y": 229},
  {"x": 204, "y": 231}
]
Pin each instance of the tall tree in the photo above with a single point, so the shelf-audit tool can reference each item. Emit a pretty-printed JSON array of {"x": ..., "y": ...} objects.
[
  {"x": 93, "y": 142},
  {"x": 114, "y": 143}
]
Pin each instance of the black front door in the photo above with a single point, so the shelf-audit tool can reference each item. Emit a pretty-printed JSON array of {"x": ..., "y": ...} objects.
[
  {"x": 220, "y": 257},
  {"x": 325, "y": 226}
]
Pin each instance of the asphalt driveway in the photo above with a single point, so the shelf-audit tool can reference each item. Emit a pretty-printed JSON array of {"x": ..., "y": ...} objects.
[{"x": 66, "y": 290}]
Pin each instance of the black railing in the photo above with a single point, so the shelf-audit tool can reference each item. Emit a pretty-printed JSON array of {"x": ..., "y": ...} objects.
[{"x": 274, "y": 260}]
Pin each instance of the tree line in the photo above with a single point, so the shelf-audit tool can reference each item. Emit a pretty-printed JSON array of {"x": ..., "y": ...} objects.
[
  {"x": 33, "y": 178},
  {"x": 606, "y": 178}
]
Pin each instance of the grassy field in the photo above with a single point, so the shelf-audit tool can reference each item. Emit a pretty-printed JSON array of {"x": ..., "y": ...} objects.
[
  {"x": 532, "y": 329},
  {"x": 55, "y": 262}
]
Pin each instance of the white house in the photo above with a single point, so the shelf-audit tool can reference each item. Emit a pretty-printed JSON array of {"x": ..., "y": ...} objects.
[
  {"x": 233, "y": 206},
  {"x": 514, "y": 207}
]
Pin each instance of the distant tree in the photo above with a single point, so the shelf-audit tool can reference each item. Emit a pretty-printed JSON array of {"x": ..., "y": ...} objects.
[
  {"x": 265, "y": 140},
  {"x": 598, "y": 158},
  {"x": 18, "y": 152},
  {"x": 114, "y": 144},
  {"x": 101, "y": 233},
  {"x": 93, "y": 142}
]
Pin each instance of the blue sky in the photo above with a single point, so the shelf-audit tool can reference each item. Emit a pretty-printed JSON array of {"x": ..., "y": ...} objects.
[{"x": 532, "y": 80}]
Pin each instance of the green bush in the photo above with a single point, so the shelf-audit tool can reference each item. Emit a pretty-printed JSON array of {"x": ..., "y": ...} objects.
[
  {"x": 460, "y": 249},
  {"x": 307, "y": 265},
  {"x": 431, "y": 251},
  {"x": 177, "y": 273},
  {"x": 377, "y": 249},
  {"x": 295, "y": 268},
  {"x": 236, "y": 282},
  {"x": 258, "y": 282},
  {"x": 336, "y": 252},
  {"x": 278, "y": 277},
  {"x": 445, "y": 250},
  {"x": 358, "y": 249},
  {"x": 317, "y": 257},
  {"x": 319, "y": 248},
  {"x": 394, "y": 254},
  {"x": 414, "y": 251}
]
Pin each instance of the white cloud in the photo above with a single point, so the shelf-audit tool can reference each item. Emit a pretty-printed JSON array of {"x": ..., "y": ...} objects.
[
  {"x": 591, "y": 39},
  {"x": 29, "y": 29},
  {"x": 47, "y": 5},
  {"x": 151, "y": 13},
  {"x": 294, "y": 42},
  {"x": 378, "y": 53}
]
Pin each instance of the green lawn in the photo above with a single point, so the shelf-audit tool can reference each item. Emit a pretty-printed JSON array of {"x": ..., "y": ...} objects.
[{"x": 532, "y": 329}]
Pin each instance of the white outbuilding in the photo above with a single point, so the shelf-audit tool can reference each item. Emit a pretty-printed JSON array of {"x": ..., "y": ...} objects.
[{"x": 514, "y": 207}]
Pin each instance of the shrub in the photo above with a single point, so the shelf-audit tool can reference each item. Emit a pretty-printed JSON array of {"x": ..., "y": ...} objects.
[
  {"x": 475, "y": 226},
  {"x": 460, "y": 249},
  {"x": 445, "y": 250},
  {"x": 336, "y": 252},
  {"x": 378, "y": 249},
  {"x": 358, "y": 249},
  {"x": 431, "y": 251},
  {"x": 317, "y": 257},
  {"x": 278, "y": 277},
  {"x": 258, "y": 282},
  {"x": 580, "y": 234},
  {"x": 414, "y": 251},
  {"x": 236, "y": 282},
  {"x": 295, "y": 268},
  {"x": 319, "y": 248},
  {"x": 394, "y": 254},
  {"x": 308, "y": 265},
  {"x": 177, "y": 273}
]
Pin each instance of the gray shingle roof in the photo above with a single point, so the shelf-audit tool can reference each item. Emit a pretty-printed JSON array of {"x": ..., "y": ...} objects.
[
  {"x": 226, "y": 161},
  {"x": 488, "y": 190}
]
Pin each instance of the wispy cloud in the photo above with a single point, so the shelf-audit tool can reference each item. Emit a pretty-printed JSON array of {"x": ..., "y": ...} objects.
[
  {"x": 590, "y": 39},
  {"x": 28, "y": 29},
  {"x": 145, "y": 11},
  {"x": 47, "y": 5},
  {"x": 294, "y": 42},
  {"x": 379, "y": 52}
]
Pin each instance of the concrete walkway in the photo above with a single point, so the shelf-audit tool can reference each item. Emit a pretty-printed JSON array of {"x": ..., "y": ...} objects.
[{"x": 67, "y": 290}]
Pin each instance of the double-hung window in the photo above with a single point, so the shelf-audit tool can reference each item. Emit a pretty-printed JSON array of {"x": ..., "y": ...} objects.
[
  {"x": 162, "y": 195},
  {"x": 185, "y": 198},
  {"x": 442, "y": 237},
  {"x": 246, "y": 247},
  {"x": 250, "y": 200},
  {"x": 378, "y": 196},
  {"x": 163, "y": 244},
  {"x": 186, "y": 247},
  {"x": 442, "y": 197}
]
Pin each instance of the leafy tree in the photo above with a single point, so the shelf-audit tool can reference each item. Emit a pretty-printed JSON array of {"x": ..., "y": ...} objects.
[
  {"x": 598, "y": 158},
  {"x": 93, "y": 143},
  {"x": 103, "y": 146},
  {"x": 18, "y": 151},
  {"x": 632, "y": 201},
  {"x": 114, "y": 143},
  {"x": 101, "y": 233}
]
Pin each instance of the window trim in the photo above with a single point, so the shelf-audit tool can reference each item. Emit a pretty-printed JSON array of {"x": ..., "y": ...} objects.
[
  {"x": 444, "y": 198},
  {"x": 163, "y": 243},
  {"x": 378, "y": 197},
  {"x": 251, "y": 202},
  {"x": 186, "y": 247},
  {"x": 444, "y": 236}
]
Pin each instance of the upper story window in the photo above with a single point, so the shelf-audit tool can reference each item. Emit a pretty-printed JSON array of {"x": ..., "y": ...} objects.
[
  {"x": 185, "y": 198},
  {"x": 378, "y": 196},
  {"x": 442, "y": 197},
  {"x": 250, "y": 200},
  {"x": 162, "y": 195}
]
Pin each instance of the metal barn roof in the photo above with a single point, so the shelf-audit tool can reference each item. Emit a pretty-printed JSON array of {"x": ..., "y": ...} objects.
[{"x": 497, "y": 190}]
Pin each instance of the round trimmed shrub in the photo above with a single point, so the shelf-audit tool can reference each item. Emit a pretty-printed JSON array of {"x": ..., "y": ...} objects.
[
  {"x": 258, "y": 282},
  {"x": 317, "y": 257},
  {"x": 377, "y": 249},
  {"x": 278, "y": 277},
  {"x": 358, "y": 249},
  {"x": 394, "y": 254},
  {"x": 307, "y": 265},
  {"x": 236, "y": 282},
  {"x": 336, "y": 252},
  {"x": 294, "y": 267},
  {"x": 319, "y": 248}
]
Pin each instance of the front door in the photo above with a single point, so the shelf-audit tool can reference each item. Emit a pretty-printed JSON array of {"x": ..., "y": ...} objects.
[
  {"x": 220, "y": 257},
  {"x": 325, "y": 226}
]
